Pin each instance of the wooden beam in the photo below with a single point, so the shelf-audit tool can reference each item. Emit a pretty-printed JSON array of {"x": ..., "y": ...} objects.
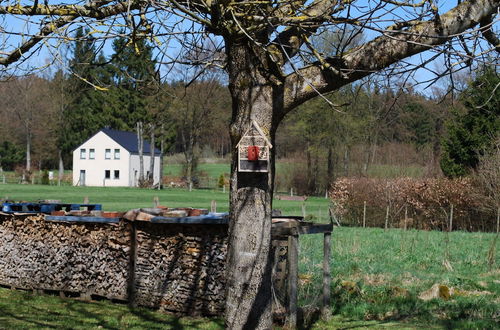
[
  {"x": 301, "y": 230},
  {"x": 71, "y": 218},
  {"x": 293, "y": 275}
]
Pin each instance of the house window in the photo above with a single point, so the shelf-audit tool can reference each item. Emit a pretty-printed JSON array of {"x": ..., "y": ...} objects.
[
  {"x": 83, "y": 154},
  {"x": 107, "y": 174},
  {"x": 91, "y": 153},
  {"x": 117, "y": 153},
  {"x": 117, "y": 174},
  {"x": 107, "y": 154}
]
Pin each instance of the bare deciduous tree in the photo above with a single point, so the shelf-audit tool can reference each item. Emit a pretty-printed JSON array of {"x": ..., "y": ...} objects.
[{"x": 266, "y": 44}]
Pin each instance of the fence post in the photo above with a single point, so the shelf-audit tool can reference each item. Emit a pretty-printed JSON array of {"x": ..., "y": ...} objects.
[
  {"x": 304, "y": 209},
  {"x": 406, "y": 217},
  {"x": 498, "y": 219},
  {"x": 213, "y": 206},
  {"x": 364, "y": 214},
  {"x": 327, "y": 278},
  {"x": 451, "y": 218},
  {"x": 293, "y": 272},
  {"x": 386, "y": 217},
  {"x": 156, "y": 201}
]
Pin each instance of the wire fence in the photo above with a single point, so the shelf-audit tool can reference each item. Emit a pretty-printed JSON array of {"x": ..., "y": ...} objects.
[
  {"x": 446, "y": 218},
  {"x": 34, "y": 178}
]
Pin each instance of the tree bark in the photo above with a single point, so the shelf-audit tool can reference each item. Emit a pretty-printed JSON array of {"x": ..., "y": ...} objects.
[
  {"x": 346, "y": 161},
  {"x": 162, "y": 151},
  {"x": 152, "y": 154},
  {"x": 61, "y": 168},
  {"x": 140, "y": 145},
  {"x": 329, "y": 169},
  {"x": 28, "y": 150},
  {"x": 255, "y": 97}
]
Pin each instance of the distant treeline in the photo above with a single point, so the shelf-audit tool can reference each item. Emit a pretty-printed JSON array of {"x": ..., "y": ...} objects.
[{"x": 361, "y": 130}]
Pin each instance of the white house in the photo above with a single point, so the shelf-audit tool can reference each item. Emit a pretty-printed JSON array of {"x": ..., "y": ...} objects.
[{"x": 111, "y": 158}]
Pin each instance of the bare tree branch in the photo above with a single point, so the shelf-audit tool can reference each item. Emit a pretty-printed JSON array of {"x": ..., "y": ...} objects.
[
  {"x": 384, "y": 51},
  {"x": 489, "y": 35}
]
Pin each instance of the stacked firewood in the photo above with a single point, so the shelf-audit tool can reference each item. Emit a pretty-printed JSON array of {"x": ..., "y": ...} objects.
[
  {"x": 146, "y": 214},
  {"x": 89, "y": 259},
  {"x": 175, "y": 268},
  {"x": 181, "y": 268}
]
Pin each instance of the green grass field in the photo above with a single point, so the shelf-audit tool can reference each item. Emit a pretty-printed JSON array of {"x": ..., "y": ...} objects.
[
  {"x": 377, "y": 275},
  {"x": 123, "y": 199},
  {"x": 23, "y": 310}
]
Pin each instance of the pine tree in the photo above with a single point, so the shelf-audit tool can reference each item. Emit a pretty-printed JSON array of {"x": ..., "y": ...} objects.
[
  {"x": 87, "y": 95},
  {"x": 472, "y": 130},
  {"x": 136, "y": 80}
]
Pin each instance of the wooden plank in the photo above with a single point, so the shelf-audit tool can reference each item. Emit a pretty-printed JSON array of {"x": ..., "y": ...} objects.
[
  {"x": 285, "y": 231},
  {"x": 327, "y": 278},
  {"x": 315, "y": 229},
  {"x": 203, "y": 219},
  {"x": 301, "y": 230},
  {"x": 293, "y": 275},
  {"x": 295, "y": 217}
]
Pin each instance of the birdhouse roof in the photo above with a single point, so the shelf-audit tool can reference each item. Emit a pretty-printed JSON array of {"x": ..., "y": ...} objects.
[{"x": 255, "y": 130}]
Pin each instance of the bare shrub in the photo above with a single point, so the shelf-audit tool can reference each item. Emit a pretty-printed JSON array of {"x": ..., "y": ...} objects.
[{"x": 427, "y": 202}]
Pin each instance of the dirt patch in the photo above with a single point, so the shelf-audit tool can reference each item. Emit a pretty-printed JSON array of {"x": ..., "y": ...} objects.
[{"x": 375, "y": 279}]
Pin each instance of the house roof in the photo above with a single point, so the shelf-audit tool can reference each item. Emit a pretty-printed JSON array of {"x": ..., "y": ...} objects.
[{"x": 128, "y": 140}]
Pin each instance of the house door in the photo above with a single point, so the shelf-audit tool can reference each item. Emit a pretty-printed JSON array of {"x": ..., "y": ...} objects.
[{"x": 82, "y": 177}]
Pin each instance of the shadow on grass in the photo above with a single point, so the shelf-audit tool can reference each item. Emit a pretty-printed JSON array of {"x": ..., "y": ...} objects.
[{"x": 22, "y": 310}]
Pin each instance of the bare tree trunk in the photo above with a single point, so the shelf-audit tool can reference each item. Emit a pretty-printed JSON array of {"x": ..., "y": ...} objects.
[
  {"x": 61, "y": 168},
  {"x": 346, "y": 161},
  {"x": 366, "y": 152},
  {"x": 152, "y": 153},
  {"x": 310, "y": 175},
  {"x": 315, "y": 173},
  {"x": 190, "y": 159},
  {"x": 28, "y": 150},
  {"x": 162, "y": 151},
  {"x": 329, "y": 169},
  {"x": 140, "y": 145},
  {"x": 27, "y": 172},
  {"x": 248, "y": 301}
]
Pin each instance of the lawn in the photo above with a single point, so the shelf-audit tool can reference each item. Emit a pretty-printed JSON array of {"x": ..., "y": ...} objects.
[
  {"x": 23, "y": 310},
  {"x": 122, "y": 199},
  {"x": 377, "y": 275}
]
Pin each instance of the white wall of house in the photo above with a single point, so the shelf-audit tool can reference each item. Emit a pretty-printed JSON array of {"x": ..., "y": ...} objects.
[
  {"x": 134, "y": 169},
  {"x": 115, "y": 168},
  {"x": 101, "y": 168}
]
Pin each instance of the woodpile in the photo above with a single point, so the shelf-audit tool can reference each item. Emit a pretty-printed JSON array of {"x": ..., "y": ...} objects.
[
  {"x": 89, "y": 259},
  {"x": 170, "y": 267},
  {"x": 146, "y": 214},
  {"x": 181, "y": 268}
]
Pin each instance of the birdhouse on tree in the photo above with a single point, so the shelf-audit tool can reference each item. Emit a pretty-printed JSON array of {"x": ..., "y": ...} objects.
[{"x": 253, "y": 150}]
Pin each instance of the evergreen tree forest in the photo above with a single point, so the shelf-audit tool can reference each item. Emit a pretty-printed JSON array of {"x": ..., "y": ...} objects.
[{"x": 361, "y": 130}]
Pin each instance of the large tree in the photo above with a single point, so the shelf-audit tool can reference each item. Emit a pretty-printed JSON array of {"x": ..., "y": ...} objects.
[{"x": 263, "y": 42}]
